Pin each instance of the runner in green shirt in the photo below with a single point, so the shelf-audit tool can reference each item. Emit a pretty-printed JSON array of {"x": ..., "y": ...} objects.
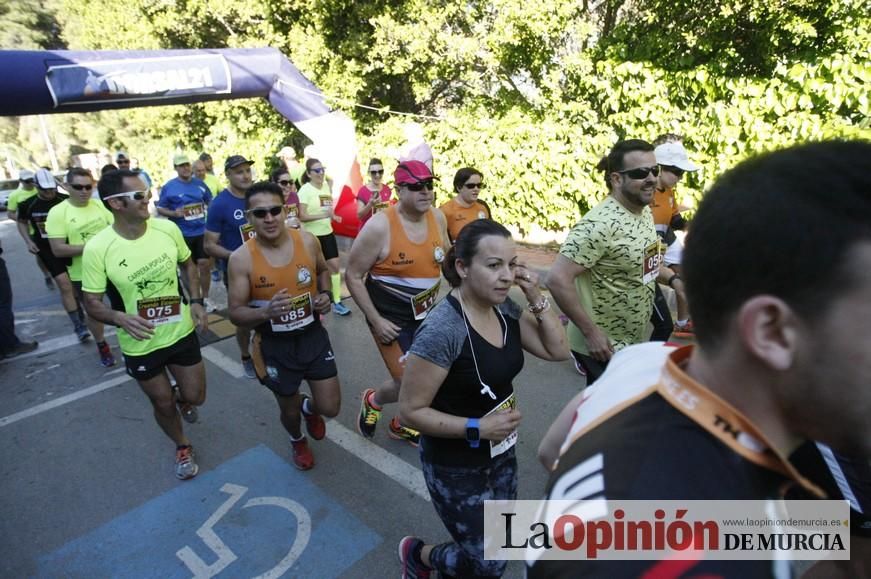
[
  {"x": 26, "y": 190},
  {"x": 135, "y": 262},
  {"x": 69, "y": 226}
]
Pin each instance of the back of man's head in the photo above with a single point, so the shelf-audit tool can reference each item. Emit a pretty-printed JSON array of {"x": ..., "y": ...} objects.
[{"x": 781, "y": 224}]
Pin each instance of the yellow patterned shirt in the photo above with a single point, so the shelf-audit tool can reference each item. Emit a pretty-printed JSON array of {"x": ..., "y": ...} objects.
[{"x": 620, "y": 253}]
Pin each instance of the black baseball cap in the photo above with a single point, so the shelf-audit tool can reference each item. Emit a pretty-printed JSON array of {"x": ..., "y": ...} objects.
[{"x": 234, "y": 161}]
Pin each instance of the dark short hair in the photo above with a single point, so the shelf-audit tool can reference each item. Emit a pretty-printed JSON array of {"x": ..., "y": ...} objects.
[
  {"x": 613, "y": 161},
  {"x": 770, "y": 227},
  {"x": 465, "y": 248},
  {"x": 107, "y": 168},
  {"x": 375, "y": 161},
  {"x": 205, "y": 157},
  {"x": 463, "y": 175},
  {"x": 77, "y": 172},
  {"x": 112, "y": 182},
  {"x": 263, "y": 187},
  {"x": 276, "y": 173}
]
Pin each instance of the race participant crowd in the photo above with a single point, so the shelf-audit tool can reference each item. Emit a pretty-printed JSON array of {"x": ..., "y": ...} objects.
[{"x": 773, "y": 287}]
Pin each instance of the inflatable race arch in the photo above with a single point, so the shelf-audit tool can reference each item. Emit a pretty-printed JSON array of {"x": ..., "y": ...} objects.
[{"x": 60, "y": 81}]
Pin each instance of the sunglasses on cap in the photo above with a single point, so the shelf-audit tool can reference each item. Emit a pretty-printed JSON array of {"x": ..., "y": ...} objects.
[
  {"x": 135, "y": 195},
  {"x": 419, "y": 186},
  {"x": 261, "y": 212},
  {"x": 80, "y": 187},
  {"x": 474, "y": 185},
  {"x": 641, "y": 172}
]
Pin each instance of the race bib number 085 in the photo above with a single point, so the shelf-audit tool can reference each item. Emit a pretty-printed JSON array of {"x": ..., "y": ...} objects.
[{"x": 298, "y": 316}]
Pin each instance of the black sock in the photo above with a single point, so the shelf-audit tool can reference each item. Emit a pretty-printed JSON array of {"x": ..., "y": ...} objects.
[
  {"x": 81, "y": 314},
  {"x": 74, "y": 318}
]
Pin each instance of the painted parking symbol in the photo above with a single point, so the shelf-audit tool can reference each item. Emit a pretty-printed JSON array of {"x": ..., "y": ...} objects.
[
  {"x": 254, "y": 516},
  {"x": 202, "y": 570}
]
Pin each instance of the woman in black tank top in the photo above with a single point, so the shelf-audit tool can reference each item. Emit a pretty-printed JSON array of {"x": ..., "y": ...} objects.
[{"x": 458, "y": 391}]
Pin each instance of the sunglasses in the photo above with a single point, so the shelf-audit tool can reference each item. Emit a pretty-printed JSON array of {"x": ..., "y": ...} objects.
[
  {"x": 675, "y": 171},
  {"x": 419, "y": 186},
  {"x": 381, "y": 172},
  {"x": 474, "y": 185},
  {"x": 80, "y": 187},
  {"x": 285, "y": 183},
  {"x": 135, "y": 195},
  {"x": 260, "y": 212},
  {"x": 641, "y": 172},
  {"x": 28, "y": 181},
  {"x": 318, "y": 170}
]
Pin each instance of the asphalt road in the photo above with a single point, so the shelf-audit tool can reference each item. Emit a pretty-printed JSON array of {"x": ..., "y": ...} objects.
[{"x": 87, "y": 482}]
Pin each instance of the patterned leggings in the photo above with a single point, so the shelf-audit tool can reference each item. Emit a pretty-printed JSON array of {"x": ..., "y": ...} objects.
[{"x": 458, "y": 494}]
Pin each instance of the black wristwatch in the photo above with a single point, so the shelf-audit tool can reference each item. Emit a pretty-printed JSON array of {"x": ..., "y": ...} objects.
[
  {"x": 473, "y": 432},
  {"x": 197, "y": 301}
]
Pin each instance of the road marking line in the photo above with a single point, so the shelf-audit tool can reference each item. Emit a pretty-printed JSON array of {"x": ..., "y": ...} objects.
[
  {"x": 403, "y": 473},
  {"x": 391, "y": 465},
  {"x": 53, "y": 345},
  {"x": 40, "y": 408},
  {"x": 224, "y": 362}
]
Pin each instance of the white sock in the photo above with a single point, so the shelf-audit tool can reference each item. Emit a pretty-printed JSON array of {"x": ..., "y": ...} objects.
[
  {"x": 682, "y": 323},
  {"x": 301, "y": 437},
  {"x": 307, "y": 406}
]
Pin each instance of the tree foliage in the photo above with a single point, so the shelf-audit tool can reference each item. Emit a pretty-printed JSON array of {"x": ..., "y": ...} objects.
[{"x": 532, "y": 94}]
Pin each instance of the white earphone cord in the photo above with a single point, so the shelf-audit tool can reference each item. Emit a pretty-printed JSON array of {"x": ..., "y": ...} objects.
[{"x": 486, "y": 389}]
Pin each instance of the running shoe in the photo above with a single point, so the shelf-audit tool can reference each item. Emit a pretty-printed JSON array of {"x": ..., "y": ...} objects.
[
  {"x": 188, "y": 411},
  {"x": 409, "y": 558},
  {"x": 107, "y": 360},
  {"x": 83, "y": 333},
  {"x": 314, "y": 423},
  {"x": 303, "y": 459},
  {"x": 369, "y": 416},
  {"x": 20, "y": 348},
  {"x": 340, "y": 309},
  {"x": 685, "y": 331},
  {"x": 400, "y": 432},
  {"x": 185, "y": 467},
  {"x": 248, "y": 368},
  {"x": 209, "y": 305},
  {"x": 49, "y": 283}
]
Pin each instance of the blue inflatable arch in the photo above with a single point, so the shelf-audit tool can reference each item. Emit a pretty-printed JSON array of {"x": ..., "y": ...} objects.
[{"x": 60, "y": 81}]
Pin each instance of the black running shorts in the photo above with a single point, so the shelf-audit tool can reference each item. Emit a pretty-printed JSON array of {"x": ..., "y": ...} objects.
[
  {"x": 283, "y": 363},
  {"x": 329, "y": 246},
  {"x": 54, "y": 265},
  {"x": 195, "y": 244},
  {"x": 185, "y": 352}
]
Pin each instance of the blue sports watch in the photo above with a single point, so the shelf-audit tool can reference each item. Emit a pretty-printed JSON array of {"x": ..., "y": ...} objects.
[{"x": 473, "y": 432}]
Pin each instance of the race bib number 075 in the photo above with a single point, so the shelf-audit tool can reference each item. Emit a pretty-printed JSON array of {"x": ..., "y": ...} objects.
[{"x": 160, "y": 310}]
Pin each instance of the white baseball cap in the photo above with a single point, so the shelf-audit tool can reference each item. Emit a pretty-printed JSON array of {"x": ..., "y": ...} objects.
[
  {"x": 674, "y": 155},
  {"x": 25, "y": 175},
  {"x": 45, "y": 180}
]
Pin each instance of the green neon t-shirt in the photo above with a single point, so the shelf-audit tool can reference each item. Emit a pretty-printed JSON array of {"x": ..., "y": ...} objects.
[
  {"x": 140, "y": 277},
  {"x": 316, "y": 201},
  {"x": 77, "y": 225}
]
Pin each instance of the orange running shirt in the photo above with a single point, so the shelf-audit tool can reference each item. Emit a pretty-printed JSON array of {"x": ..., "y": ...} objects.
[
  {"x": 299, "y": 277},
  {"x": 405, "y": 284},
  {"x": 458, "y": 216}
]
